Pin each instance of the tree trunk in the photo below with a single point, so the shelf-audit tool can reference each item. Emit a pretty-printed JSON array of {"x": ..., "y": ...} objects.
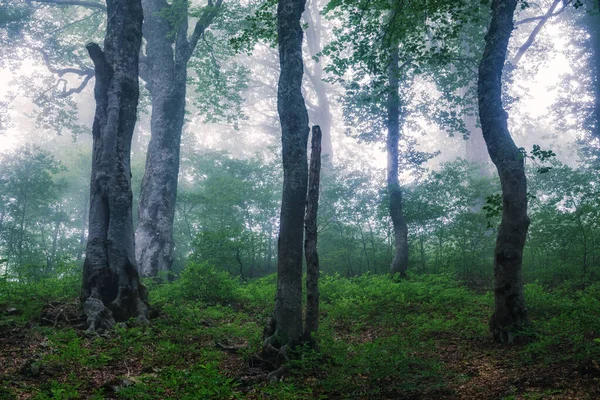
[
  {"x": 400, "y": 261},
  {"x": 311, "y": 324},
  {"x": 51, "y": 261},
  {"x": 294, "y": 139},
  {"x": 510, "y": 312},
  {"x": 111, "y": 287},
  {"x": 165, "y": 71},
  {"x": 322, "y": 115},
  {"x": 166, "y": 83},
  {"x": 284, "y": 330},
  {"x": 475, "y": 148},
  {"x": 83, "y": 227},
  {"x": 593, "y": 26}
]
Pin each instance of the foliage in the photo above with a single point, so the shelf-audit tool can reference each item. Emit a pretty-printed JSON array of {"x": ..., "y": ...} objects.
[
  {"x": 203, "y": 282},
  {"x": 426, "y": 336}
]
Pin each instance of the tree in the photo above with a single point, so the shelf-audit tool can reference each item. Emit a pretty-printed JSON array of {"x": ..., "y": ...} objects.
[
  {"x": 285, "y": 329},
  {"x": 111, "y": 286},
  {"x": 320, "y": 114},
  {"x": 400, "y": 260},
  {"x": 29, "y": 193},
  {"x": 383, "y": 61},
  {"x": 164, "y": 68},
  {"x": 310, "y": 241},
  {"x": 510, "y": 313}
]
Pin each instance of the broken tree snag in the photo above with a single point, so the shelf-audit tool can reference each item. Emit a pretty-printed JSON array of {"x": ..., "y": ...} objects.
[
  {"x": 510, "y": 314},
  {"x": 111, "y": 288},
  {"x": 311, "y": 322}
]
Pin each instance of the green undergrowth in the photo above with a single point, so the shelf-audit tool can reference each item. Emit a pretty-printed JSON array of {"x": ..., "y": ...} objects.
[{"x": 378, "y": 338}]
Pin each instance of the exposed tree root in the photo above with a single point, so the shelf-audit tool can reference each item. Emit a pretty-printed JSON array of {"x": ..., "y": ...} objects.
[
  {"x": 99, "y": 318},
  {"x": 274, "y": 355}
]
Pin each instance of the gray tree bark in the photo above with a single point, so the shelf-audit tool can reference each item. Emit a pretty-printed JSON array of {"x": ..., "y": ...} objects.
[
  {"x": 510, "y": 313},
  {"x": 164, "y": 68},
  {"x": 111, "y": 287},
  {"x": 284, "y": 330},
  {"x": 294, "y": 140},
  {"x": 311, "y": 323},
  {"x": 400, "y": 260}
]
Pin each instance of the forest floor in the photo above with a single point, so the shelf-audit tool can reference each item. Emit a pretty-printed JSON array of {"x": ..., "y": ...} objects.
[{"x": 422, "y": 338}]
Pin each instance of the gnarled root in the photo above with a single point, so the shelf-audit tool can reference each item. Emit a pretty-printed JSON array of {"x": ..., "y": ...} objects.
[
  {"x": 99, "y": 318},
  {"x": 274, "y": 356}
]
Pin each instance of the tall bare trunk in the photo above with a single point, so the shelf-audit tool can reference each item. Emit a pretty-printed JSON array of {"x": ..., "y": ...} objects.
[
  {"x": 311, "y": 324},
  {"x": 400, "y": 261},
  {"x": 111, "y": 287},
  {"x": 294, "y": 139},
  {"x": 284, "y": 330},
  {"x": 510, "y": 313}
]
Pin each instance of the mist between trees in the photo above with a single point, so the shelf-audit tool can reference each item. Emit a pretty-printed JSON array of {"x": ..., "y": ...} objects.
[{"x": 455, "y": 145}]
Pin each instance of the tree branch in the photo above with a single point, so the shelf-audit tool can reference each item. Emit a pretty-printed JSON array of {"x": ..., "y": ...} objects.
[
  {"x": 515, "y": 60},
  {"x": 206, "y": 18},
  {"x": 79, "y": 88},
  {"x": 101, "y": 66},
  {"x": 81, "y": 3},
  {"x": 539, "y": 17},
  {"x": 61, "y": 71}
]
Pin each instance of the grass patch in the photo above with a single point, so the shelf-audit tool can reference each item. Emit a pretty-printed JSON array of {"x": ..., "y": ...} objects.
[{"x": 426, "y": 337}]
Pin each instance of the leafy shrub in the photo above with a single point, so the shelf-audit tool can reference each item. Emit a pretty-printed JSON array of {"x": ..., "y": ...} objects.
[{"x": 201, "y": 282}]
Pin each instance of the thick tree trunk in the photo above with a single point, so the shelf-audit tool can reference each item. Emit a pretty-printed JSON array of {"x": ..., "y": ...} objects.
[
  {"x": 311, "y": 324},
  {"x": 400, "y": 260},
  {"x": 510, "y": 312},
  {"x": 111, "y": 287},
  {"x": 166, "y": 83},
  {"x": 165, "y": 71},
  {"x": 287, "y": 323}
]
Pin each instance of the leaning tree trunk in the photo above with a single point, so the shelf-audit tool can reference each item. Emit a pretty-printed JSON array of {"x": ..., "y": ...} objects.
[
  {"x": 111, "y": 286},
  {"x": 400, "y": 260},
  {"x": 164, "y": 68},
  {"x": 311, "y": 324},
  {"x": 510, "y": 313},
  {"x": 285, "y": 329}
]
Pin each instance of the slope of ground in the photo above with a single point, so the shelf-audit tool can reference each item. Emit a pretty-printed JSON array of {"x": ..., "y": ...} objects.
[{"x": 422, "y": 338}]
